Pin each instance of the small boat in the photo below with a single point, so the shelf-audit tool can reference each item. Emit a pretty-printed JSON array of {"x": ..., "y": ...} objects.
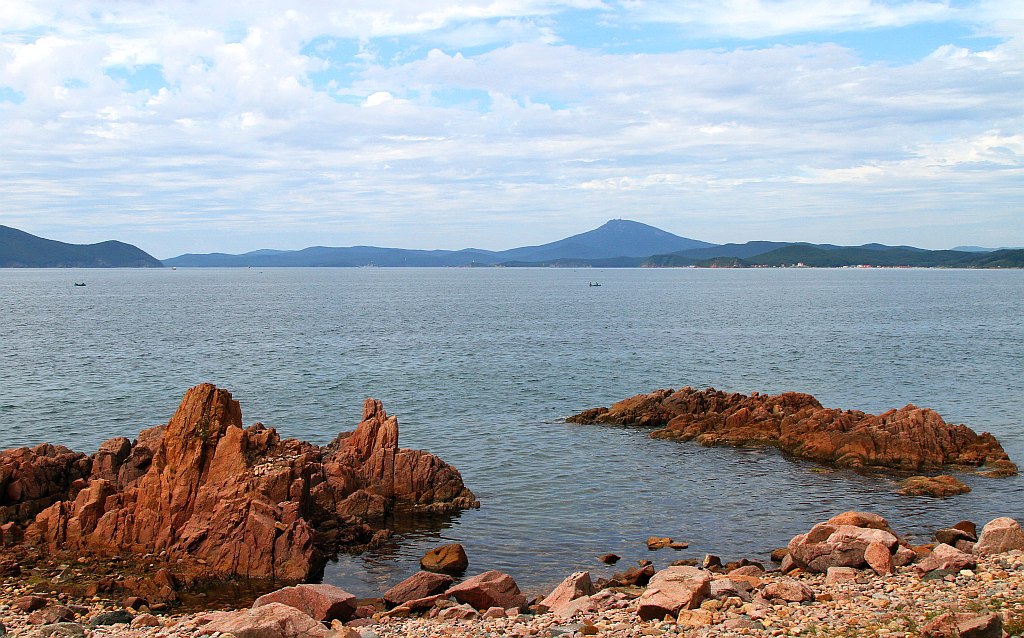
[
  {"x": 80, "y": 285},
  {"x": 594, "y": 284}
]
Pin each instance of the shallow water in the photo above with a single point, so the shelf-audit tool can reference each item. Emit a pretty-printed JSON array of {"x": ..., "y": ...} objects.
[{"x": 481, "y": 365}]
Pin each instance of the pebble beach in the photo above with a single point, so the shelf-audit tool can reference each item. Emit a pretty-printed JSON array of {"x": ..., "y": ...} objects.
[{"x": 899, "y": 605}]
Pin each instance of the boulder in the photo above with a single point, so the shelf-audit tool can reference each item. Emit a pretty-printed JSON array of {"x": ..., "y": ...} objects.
[
  {"x": 29, "y": 604},
  {"x": 115, "y": 617},
  {"x": 903, "y": 556},
  {"x": 446, "y": 559},
  {"x": 419, "y": 585},
  {"x": 575, "y": 586},
  {"x": 320, "y": 602},
  {"x": 998, "y": 536},
  {"x": 674, "y": 589},
  {"x": 963, "y": 625},
  {"x": 458, "y": 612},
  {"x": 828, "y": 545},
  {"x": 879, "y": 559},
  {"x": 50, "y": 615},
  {"x": 839, "y": 575},
  {"x": 788, "y": 590},
  {"x": 658, "y": 542},
  {"x": 910, "y": 438},
  {"x": 273, "y": 620},
  {"x": 241, "y": 500},
  {"x": 609, "y": 559},
  {"x": 946, "y": 558},
  {"x": 489, "y": 589},
  {"x": 939, "y": 486}
]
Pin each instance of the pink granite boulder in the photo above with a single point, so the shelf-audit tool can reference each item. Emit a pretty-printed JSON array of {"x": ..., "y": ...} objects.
[
  {"x": 418, "y": 586},
  {"x": 319, "y": 602},
  {"x": 672, "y": 590},
  {"x": 272, "y": 620},
  {"x": 575, "y": 586},
  {"x": 1000, "y": 535},
  {"x": 489, "y": 589}
]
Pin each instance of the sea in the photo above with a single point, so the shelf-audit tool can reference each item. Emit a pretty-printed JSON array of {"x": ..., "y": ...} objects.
[{"x": 481, "y": 366}]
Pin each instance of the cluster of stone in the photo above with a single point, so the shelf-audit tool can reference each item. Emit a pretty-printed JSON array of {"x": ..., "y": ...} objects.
[
  {"x": 204, "y": 490},
  {"x": 907, "y": 439}
]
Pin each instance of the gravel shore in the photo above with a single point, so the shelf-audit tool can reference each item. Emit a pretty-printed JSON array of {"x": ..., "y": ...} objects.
[{"x": 894, "y": 606}]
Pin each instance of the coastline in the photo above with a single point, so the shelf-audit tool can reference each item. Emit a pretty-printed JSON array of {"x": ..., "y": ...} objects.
[{"x": 845, "y": 603}]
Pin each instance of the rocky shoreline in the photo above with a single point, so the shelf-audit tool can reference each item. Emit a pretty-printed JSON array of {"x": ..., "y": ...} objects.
[{"x": 849, "y": 576}]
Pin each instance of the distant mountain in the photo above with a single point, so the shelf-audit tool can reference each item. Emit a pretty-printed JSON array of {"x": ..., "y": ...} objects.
[
  {"x": 616, "y": 239},
  {"x": 980, "y": 249},
  {"x": 748, "y": 249},
  {"x": 19, "y": 249}
]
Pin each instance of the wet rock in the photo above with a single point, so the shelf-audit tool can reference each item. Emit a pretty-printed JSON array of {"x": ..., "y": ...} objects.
[
  {"x": 951, "y": 535},
  {"x": 419, "y": 585},
  {"x": 673, "y": 589},
  {"x": 633, "y": 577},
  {"x": 969, "y": 527},
  {"x": 489, "y": 589},
  {"x": 273, "y": 620},
  {"x": 609, "y": 559},
  {"x": 446, "y": 559},
  {"x": 658, "y": 542},
  {"x": 319, "y": 602},
  {"x": 573, "y": 587},
  {"x": 779, "y": 553},
  {"x": 939, "y": 486},
  {"x": 1000, "y": 535},
  {"x": 910, "y": 438},
  {"x": 118, "y": 616}
]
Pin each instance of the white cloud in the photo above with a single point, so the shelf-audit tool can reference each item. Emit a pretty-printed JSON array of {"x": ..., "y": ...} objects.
[{"x": 243, "y": 143}]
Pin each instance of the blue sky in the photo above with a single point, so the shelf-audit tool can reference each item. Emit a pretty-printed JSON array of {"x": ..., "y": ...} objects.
[{"x": 196, "y": 127}]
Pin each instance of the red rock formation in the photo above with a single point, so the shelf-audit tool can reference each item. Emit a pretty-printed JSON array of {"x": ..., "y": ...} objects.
[
  {"x": 241, "y": 500},
  {"x": 910, "y": 438}
]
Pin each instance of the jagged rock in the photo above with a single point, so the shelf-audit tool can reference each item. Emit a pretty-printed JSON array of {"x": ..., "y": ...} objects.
[
  {"x": 489, "y": 589},
  {"x": 575, "y": 586},
  {"x": 33, "y": 479},
  {"x": 1000, "y": 535},
  {"x": 946, "y": 558},
  {"x": 268, "y": 621},
  {"x": 910, "y": 438},
  {"x": 419, "y": 585},
  {"x": 320, "y": 602},
  {"x": 674, "y": 589},
  {"x": 840, "y": 545},
  {"x": 243, "y": 501},
  {"x": 446, "y": 559},
  {"x": 939, "y": 486}
]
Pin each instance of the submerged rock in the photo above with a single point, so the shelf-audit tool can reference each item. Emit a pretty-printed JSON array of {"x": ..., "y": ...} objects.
[
  {"x": 238, "y": 501},
  {"x": 910, "y": 438},
  {"x": 939, "y": 486}
]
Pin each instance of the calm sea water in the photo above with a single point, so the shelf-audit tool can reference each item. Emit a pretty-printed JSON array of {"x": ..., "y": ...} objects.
[{"x": 481, "y": 366}]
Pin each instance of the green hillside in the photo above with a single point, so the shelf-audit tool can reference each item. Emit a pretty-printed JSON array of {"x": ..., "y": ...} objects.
[{"x": 19, "y": 249}]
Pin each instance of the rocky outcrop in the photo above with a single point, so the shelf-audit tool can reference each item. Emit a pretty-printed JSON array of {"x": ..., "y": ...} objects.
[
  {"x": 241, "y": 500},
  {"x": 910, "y": 438}
]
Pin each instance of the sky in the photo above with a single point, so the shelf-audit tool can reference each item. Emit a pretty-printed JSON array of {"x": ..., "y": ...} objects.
[{"x": 187, "y": 126}]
